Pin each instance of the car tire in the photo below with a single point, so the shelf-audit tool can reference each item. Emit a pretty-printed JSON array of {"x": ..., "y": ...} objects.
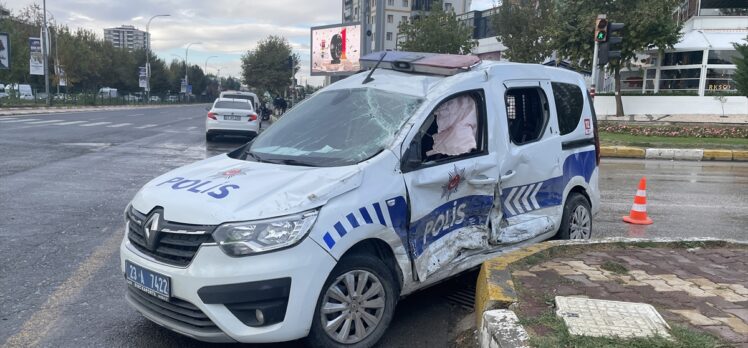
[
  {"x": 382, "y": 290},
  {"x": 576, "y": 222}
]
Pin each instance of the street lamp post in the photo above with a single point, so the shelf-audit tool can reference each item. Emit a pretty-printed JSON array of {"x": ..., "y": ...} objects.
[
  {"x": 205, "y": 69},
  {"x": 45, "y": 53},
  {"x": 148, "y": 56},
  {"x": 186, "y": 51}
]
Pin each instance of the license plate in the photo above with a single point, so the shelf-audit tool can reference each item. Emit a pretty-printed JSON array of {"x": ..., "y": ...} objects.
[
  {"x": 152, "y": 283},
  {"x": 232, "y": 118}
]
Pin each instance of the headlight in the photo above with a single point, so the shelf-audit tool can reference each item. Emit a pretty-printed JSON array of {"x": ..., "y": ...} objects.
[{"x": 252, "y": 237}]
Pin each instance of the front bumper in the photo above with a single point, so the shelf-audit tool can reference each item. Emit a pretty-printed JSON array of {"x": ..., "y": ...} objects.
[{"x": 307, "y": 266}]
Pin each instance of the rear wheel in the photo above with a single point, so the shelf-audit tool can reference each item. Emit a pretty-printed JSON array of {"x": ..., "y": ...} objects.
[
  {"x": 576, "y": 222},
  {"x": 356, "y": 304}
]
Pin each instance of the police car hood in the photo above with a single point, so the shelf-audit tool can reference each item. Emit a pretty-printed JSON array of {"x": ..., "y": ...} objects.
[{"x": 221, "y": 189}]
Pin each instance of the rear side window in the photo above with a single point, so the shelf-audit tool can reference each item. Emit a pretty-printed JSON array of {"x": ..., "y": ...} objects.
[
  {"x": 526, "y": 112},
  {"x": 569, "y": 105},
  {"x": 239, "y": 96},
  {"x": 233, "y": 105}
]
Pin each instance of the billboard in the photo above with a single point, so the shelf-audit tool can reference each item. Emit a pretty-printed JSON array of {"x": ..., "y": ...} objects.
[
  {"x": 142, "y": 77},
  {"x": 336, "y": 49},
  {"x": 36, "y": 58},
  {"x": 4, "y": 51}
]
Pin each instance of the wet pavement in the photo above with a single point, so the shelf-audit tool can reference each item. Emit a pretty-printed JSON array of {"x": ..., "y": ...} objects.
[
  {"x": 65, "y": 180},
  {"x": 702, "y": 288}
]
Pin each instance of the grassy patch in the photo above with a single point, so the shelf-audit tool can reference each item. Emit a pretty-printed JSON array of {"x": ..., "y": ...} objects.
[
  {"x": 672, "y": 142},
  {"x": 558, "y": 336},
  {"x": 615, "y": 267}
]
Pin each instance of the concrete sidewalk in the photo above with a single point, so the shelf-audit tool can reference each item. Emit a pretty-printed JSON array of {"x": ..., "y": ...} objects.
[
  {"x": 18, "y": 111},
  {"x": 700, "y": 285}
]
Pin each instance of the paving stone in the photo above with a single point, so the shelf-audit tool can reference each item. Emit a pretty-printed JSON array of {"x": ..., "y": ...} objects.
[
  {"x": 696, "y": 318},
  {"x": 726, "y": 333},
  {"x": 741, "y": 313},
  {"x": 582, "y": 279},
  {"x": 736, "y": 324},
  {"x": 632, "y": 261}
]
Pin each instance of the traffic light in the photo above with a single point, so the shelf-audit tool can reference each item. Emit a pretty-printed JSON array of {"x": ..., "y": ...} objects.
[
  {"x": 601, "y": 30},
  {"x": 610, "y": 49}
]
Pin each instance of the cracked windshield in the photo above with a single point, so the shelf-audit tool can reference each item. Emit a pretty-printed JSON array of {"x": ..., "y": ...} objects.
[{"x": 374, "y": 173}]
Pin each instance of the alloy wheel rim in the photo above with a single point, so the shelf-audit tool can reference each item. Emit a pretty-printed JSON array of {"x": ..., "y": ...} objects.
[
  {"x": 353, "y": 306},
  {"x": 580, "y": 225}
]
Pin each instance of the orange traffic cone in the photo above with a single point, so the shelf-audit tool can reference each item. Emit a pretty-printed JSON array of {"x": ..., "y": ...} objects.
[{"x": 638, "y": 214}]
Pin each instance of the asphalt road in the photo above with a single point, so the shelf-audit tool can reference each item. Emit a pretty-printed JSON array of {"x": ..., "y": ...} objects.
[{"x": 66, "y": 178}]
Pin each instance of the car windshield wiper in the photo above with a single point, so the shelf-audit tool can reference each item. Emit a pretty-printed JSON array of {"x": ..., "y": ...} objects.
[
  {"x": 254, "y": 156},
  {"x": 291, "y": 162}
]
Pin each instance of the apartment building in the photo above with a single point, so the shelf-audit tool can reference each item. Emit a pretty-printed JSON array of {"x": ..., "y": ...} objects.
[{"x": 127, "y": 37}]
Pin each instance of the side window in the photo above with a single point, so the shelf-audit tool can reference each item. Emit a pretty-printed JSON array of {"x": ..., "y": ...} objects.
[
  {"x": 569, "y": 105},
  {"x": 527, "y": 114},
  {"x": 454, "y": 130}
]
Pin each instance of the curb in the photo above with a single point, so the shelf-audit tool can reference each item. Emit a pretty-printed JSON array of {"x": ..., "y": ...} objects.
[
  {"x": 495, "y": 294},
  {"x": 674, "y": 154}
]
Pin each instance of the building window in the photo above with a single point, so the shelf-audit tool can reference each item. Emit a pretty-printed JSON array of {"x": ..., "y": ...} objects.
[
  {"x": 720, "y": 80},
  {"x": 722, "y": 57},
  {"x": 405, "y": 3},
  {"x": 448, "y": 7},
  {"x": 404, "y": 19},
  {"x": 683, "y": 58},
  {"x": 390, "y": 2},
  {"x": 680, "y": 79},
  {"x": 389, "y": 36},
  {"x": 390, "y": 18}
]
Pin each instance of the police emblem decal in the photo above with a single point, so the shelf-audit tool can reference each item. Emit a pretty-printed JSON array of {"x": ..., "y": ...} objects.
[
  {"x": 453, "y": 184},
  {"x": 228, "y": 174}
]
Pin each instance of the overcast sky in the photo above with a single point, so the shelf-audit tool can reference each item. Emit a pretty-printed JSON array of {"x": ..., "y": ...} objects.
[{"x": 226, "y": 28}]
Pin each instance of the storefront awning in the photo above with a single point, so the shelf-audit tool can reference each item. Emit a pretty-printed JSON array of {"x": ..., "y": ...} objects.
[{"x": 700, "y": 40}]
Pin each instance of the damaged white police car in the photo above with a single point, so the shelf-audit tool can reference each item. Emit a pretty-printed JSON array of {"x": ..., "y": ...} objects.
[{"x": 377, "y": 186}]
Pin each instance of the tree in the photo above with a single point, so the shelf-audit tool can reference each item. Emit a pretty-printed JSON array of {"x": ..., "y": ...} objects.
[
  {"x": 524, "y": 27},
  {"x": 438, "y": 32},
  {"x": 266, "y": 67},
  {"x": 741, "y": 61},
  {"x": 649, "y": 25}
]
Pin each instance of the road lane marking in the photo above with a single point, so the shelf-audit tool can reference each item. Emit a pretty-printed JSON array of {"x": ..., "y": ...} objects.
[
  {"x": 45, "y": 121},
  {"x": 26, "y": 120},
  {"x": 7, "y": 119},
  {"x": 37, "y": 326},
  {"x": 69, "y": 123},
  {"x": 190, "y": 128},
  {"x": 119, "y": 125},
  {"x": 95, "y": 124},
  {"x": 137, "y": 115},
  {"x": 146, "y": 126}
]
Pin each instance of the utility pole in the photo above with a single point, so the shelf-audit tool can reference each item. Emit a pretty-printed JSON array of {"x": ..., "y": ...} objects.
[
  {"x": 45, "y": 35},
  {"x": 148, "y": 57}
]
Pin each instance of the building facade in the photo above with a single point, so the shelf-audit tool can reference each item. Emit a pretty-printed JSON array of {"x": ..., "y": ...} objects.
[
  {"x": 702, "y": 62},
  {"x": 381, "y": 18},
  {"x": 127, "y": 37},
  {"x": 487, "y": 46}
]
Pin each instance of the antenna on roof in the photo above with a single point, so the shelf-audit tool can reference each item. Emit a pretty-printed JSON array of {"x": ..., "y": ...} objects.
[{"x": 368, "y": 77}]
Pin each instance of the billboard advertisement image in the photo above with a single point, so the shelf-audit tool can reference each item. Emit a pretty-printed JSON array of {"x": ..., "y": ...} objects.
[
  {"x": 336, "y": 49},
  {"x": 36, "y": 59},
  {"x": 4, "y": 51}
]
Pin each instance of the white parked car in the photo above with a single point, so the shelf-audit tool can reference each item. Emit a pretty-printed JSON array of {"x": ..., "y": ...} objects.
[
  {"x": 242, "y": 95},
  {"x": 231, "y": 117},
  {"x": 373, "y": 188}
]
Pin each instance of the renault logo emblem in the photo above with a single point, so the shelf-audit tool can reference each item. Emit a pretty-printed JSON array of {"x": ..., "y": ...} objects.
[{"x": 150, "y": 227}]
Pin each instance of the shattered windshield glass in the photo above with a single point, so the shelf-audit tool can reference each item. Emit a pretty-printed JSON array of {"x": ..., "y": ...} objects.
[{"x": 337, "y": 127}]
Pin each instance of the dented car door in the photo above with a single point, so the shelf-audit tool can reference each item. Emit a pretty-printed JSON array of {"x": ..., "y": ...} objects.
[{"x": 451, "y": 177}]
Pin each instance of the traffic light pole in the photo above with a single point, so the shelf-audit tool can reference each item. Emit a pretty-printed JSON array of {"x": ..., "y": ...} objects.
[{"x": 594, "y": 68}]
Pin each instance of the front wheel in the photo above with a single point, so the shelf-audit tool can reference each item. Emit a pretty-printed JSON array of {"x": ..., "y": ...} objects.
[
  {"x": 576, "y": 222},
  {"x": 356, "y": 304}
]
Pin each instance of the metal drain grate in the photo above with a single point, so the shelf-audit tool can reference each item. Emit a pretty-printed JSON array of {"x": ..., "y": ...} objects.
[{"x": 462, "y": 293}]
